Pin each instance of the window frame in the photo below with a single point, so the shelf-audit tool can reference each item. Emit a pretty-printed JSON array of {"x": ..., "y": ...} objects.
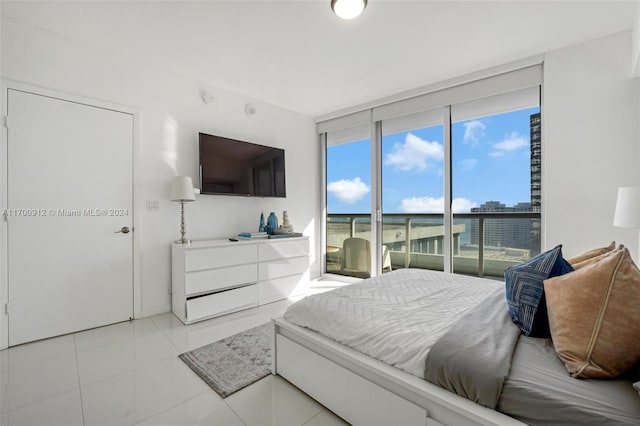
[{"x": 447, "y": 98}]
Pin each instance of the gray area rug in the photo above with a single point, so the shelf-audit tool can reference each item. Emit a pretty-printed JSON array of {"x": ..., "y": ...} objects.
[{"x": 234, "y": 362}]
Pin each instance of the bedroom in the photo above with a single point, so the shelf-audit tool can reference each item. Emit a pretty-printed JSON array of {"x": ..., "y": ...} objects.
[{"x": 77, "y": 50}]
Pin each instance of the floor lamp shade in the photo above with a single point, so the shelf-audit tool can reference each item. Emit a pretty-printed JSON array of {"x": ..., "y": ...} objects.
[
  {"x": 182, "y": 189},
  {"x": 627, "y": 208}
]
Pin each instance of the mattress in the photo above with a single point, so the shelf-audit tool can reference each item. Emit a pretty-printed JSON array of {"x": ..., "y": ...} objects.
[
  {"x": 395, "y": 317},
  {"x": 539, "y": 391}
]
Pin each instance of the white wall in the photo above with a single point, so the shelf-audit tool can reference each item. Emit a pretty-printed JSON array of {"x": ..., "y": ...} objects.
[
  {"x": 590, "y": 142},
  {"x": 635, "y": 50},
  {"x": 171, "y": 115}
]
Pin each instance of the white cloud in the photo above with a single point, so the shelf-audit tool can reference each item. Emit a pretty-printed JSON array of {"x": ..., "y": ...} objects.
[
  {"x": 462, "y": 205},
  {"x": 348, "y": 191},
  {"x": 468, "y": 164},
  {"x": 473, "y": 131},
  {"x": 435, "y": 205},
  {"x": 511, "y": 142},
  {"x": 414, "y": 153}
]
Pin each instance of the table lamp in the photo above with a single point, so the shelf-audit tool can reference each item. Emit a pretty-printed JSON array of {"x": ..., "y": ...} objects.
[
  {"x": 182, "y": 192},
  {"x": 627, "y": 213}
]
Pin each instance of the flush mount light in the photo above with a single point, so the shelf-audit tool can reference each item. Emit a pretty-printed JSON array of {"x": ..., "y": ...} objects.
[{"x": 348, "y": 9}]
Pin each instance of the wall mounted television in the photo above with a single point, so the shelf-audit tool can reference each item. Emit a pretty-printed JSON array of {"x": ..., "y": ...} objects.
[{"x": 233, "y": 167}]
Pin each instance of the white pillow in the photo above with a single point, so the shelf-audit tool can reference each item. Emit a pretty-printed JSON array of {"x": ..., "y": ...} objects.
[{"x": 636, "y": 386}]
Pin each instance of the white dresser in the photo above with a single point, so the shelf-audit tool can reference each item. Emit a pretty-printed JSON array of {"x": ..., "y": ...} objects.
[{"x": 217, "y": 277}]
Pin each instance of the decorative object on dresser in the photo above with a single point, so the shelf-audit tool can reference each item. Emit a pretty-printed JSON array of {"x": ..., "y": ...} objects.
[
  {"x": 182, "y": 192},
  {"x": 252, "y": 235},
  {"x": 217, "y": 277},
  {"x": 234, "y": 362},
  {"x": 261, "y": 227},
  {"x": 286, "y": 227},
  {"x": 272, "y": 223}
]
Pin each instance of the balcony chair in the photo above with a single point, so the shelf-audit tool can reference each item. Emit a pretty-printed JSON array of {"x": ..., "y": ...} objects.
[
  {"x": 356, "y": 257},
  {"x": 386, "y": 259}
]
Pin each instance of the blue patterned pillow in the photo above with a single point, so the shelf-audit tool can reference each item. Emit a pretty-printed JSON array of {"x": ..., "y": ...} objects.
[{"x": 525, "y": 290}]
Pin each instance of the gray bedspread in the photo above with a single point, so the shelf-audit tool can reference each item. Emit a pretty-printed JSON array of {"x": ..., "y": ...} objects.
[
  {"x": 473, "y": 357},
  {"x": 483, "y": 357},
  {"x": 540, "y": 391}
]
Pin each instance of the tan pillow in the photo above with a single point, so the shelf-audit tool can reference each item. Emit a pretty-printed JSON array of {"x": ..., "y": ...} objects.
[
  {"x": 594, "y": 316},
  {"x": 596, "y": 258},
  {"x": 591, "y": 253}
]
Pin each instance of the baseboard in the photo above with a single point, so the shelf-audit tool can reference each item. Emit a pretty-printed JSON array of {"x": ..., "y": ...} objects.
[{"x": 149, "y": 311}]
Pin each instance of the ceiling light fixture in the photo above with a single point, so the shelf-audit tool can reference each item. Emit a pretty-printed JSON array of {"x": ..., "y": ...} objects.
[{"x": 348, "y": 9}]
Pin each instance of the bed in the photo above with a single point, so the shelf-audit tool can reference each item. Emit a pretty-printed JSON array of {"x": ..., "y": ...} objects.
[{"x": 365, "y": 350}]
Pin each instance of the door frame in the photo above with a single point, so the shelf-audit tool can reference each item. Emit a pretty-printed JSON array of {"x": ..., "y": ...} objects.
[{"x": 7, "y": 85}]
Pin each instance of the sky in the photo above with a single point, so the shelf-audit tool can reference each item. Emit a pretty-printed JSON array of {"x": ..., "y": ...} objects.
[{"x": 490, "y": 162}]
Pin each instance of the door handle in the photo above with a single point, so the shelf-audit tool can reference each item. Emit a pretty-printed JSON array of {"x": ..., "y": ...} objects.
[{"x": 123, "y": 230}]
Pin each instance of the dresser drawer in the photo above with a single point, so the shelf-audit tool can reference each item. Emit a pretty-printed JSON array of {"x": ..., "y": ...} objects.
[
  {"x": 283, "y": 249},
  {"x": 283, "y": 267},
  {"x": 282, "y": 288},
  {"x": 222, "y": 303},
  {"x": 217, "y": 279},
  {"x": 215, "y": 257}
]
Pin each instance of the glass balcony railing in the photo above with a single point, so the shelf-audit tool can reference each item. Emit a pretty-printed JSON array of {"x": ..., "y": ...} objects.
[{"x": 483, "y": 244}]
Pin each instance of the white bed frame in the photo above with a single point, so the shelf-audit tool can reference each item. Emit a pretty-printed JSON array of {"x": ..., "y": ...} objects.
[{"x": 365, "y": 391}]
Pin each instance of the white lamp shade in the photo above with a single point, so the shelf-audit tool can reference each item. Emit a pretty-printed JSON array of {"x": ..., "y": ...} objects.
[
  {"x": 182, "y": 189},
  {"x": 348, "y": 9},
  {"x": 627, "y": 208}
]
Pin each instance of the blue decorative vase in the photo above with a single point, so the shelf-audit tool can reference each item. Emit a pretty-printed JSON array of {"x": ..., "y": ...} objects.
[
  {"x": 272, "y": 224},
  {"x": 261, "y": 228}
]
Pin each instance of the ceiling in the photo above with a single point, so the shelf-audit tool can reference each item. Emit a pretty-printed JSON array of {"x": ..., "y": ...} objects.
[{"x": 297, "y": 54}]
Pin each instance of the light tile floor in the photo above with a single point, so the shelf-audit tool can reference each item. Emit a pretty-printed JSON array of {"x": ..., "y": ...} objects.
[{"x": 130, "y": 374}]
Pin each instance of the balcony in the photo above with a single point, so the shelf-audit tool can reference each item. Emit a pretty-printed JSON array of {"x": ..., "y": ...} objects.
[{"x": 483, "y": 244}]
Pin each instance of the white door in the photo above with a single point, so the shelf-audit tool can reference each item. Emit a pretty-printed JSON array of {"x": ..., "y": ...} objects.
[{"x": 69, "y": 191}]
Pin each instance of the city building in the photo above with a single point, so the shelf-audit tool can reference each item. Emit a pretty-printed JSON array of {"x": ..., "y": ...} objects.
[
  {"x": 536, "y": 181},
  {"x": 511, "y": 233}
]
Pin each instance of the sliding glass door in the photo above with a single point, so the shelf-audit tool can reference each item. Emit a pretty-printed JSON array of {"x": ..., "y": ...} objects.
[
  {"x": 448, "y": 180},
  {"x": 412, "y": 167},
  {"x": 348, "y": 195},
  {"x": 495, "y": 146}
]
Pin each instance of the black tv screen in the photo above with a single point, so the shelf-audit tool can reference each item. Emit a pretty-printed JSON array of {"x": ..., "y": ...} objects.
[{"x": 229, "y": 166}]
